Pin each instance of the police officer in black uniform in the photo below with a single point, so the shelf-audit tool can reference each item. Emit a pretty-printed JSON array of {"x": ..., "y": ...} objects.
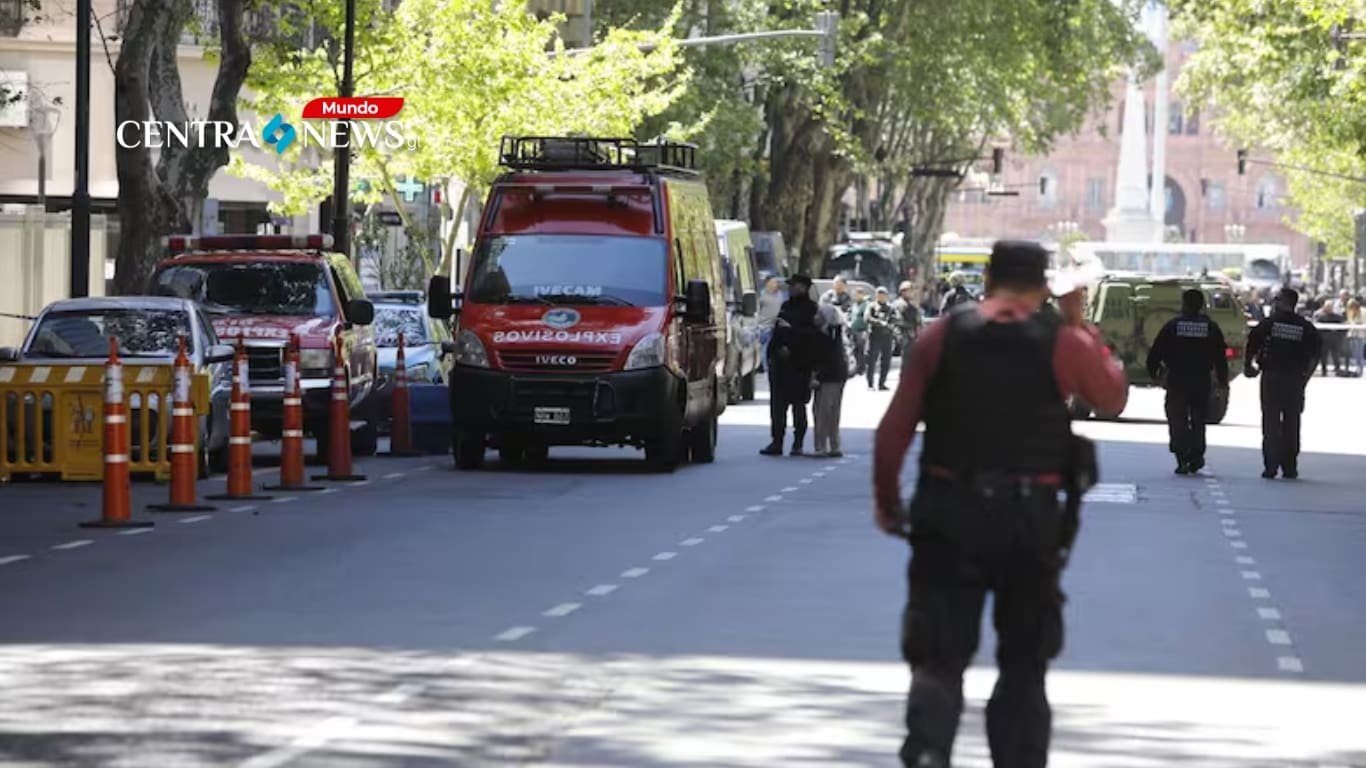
[
  {"x": 1190, "y": 348},
  {"x": 990, "y": 383},
  {"x": 1286, "y": 347}
]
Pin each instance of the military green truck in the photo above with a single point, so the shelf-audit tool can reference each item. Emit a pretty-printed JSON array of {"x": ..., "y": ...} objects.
[{"x": 1130, "y": 309}]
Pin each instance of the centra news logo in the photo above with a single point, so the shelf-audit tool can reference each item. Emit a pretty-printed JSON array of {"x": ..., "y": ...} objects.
[{"x": 327, "y": 123}]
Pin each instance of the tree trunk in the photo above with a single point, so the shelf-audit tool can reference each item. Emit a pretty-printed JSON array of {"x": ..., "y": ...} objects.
[
  {"x": 153, "y": 200},
  {"x": 927, "y": 201}
]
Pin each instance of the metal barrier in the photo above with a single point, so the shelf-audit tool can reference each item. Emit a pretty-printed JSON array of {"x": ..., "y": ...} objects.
[{"x": 51, "y": 418}]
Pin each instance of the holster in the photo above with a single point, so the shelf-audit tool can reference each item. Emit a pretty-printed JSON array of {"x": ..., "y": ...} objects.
[{"x": 1080, "y": 474}]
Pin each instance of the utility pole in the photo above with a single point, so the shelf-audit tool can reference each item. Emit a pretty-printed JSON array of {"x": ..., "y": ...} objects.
[
  {"x": 341, "y": 187},
  {"x": 80, "y": 196}
]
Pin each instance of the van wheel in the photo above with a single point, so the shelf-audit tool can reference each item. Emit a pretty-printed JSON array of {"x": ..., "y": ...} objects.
[
  {"x": 468, "y": 449},
  {"x": 702, "y": 442},
  {"x": 665, "y": 453},
  {"x": 747, "y": 387}
]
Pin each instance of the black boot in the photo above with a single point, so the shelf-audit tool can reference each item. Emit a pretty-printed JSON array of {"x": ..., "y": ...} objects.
[
  {"x": 796, "y": 445},
  {"x": 774, "y": 448}
]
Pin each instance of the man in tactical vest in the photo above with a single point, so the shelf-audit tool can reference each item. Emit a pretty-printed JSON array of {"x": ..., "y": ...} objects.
[
  {"x": 1190, "y": 348},
  {"x": 1286, "y": 346},
  {"x": 990, "y": 381}
]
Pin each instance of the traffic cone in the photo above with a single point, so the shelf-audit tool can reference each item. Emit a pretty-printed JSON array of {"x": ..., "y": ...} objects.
[
  {"x": 184, "y": 443},
  {"x": 118, "y": 492},
  {"x": 239, "y": 431},
  {"x": 401, "y": 434},
  {"x": 339, "y": 426},
  {"x": 292, "y": 436}
]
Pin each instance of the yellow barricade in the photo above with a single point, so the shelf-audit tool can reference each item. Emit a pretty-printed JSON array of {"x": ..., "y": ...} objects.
[{"x": 52, "y": 419}]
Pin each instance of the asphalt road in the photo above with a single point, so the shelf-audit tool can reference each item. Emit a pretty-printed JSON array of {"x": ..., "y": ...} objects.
[{"x": 739, "y": 614}]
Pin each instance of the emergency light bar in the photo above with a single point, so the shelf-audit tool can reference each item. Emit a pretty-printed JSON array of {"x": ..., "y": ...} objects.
[
  {"x": 186, "y": 243},
  {"x": 582, "y": 153}
]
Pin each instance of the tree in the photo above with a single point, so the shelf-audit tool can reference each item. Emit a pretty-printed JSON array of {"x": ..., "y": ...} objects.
[
  {"x": 470, "y": 71},
  {"x": 166, "y": 196},
  {"x": 1286, "y": 76}
]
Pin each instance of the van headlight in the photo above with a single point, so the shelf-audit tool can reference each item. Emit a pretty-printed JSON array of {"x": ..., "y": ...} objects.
[
  {"x": 469, "y": 350},
  {"x": 316, "y": 360},
  {"x": 649, "y": 352}
]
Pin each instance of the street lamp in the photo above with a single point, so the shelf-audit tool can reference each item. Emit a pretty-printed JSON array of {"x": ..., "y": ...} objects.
[{"x": 43, "y": 120}]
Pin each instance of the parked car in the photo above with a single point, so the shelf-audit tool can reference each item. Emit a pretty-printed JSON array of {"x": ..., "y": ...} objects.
[
  {"x": 595, "y": 310},
  {"x": 148, "y": 330},
  {"x": 262, "y": 289},
  {"x": 743, "y": 346},
  {"x": 424, "y": 342}
]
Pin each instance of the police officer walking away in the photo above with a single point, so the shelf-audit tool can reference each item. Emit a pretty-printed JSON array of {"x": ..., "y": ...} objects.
[
  {"x": 1286, "y": 346},
  {"x": 881, "y": 323},
  {"x": 990, "y": 382},
  {"x": 1190, "y": 347},
  {"x": 793, "y": 355}
]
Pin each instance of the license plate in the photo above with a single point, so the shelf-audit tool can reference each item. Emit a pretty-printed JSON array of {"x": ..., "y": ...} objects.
[{"x": 552, "y": 416}]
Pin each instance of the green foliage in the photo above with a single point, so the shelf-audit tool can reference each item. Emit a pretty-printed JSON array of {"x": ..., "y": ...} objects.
[{"x": 1280, "y": 81}]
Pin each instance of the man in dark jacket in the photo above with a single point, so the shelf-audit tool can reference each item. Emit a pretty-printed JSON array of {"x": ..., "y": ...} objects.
[
  {"x": 1285, "y": 348},
  {"x": 793, "y": 355},
  {"x": 881, "y": 322},
  {"x": 1190, "y": 347}
]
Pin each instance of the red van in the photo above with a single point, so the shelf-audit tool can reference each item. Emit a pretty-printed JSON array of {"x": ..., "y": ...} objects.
[{"x": 591, "y": 312}]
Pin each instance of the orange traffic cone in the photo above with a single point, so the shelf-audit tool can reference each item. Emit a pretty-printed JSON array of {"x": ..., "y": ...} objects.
[
  {"x": 292, "y": 435},
  {"x": 239, "y": 440},
  {"x": 339, "y": 437},
  {"x": 401, "y": 434},
  {"x": 184, "y": 443},
  {"x": 118, "y": 493}
]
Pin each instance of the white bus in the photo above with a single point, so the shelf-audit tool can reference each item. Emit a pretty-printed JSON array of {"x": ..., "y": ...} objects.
[{"x": 1256, "y": 264}]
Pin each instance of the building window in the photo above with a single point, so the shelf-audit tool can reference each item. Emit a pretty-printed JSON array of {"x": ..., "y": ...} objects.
[
  {"x": 1193, "y": 122},
  {"x": 1176, "y": 120},
  {"x": 1216, "y": 196},
  {"x": 11, "y": 17},
  {"x": 1266, "y": 193},
  {"x": 1095, "y": 194},
  {"x": 1048, "y": 189}
]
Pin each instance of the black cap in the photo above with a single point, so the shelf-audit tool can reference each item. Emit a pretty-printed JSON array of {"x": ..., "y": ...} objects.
[
  {"x": 800, "y": 278},
  {"x": 1019, "y": 262}
]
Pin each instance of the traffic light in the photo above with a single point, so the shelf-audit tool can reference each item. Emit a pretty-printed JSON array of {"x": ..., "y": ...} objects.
[
  {"x": 828, "y": 24},
  {"x": 1242, "y": 162},
  {"x": 998, "y": 161}
]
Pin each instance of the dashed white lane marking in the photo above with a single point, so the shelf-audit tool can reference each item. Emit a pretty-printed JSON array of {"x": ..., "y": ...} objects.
[
  {"x": 513, "y": 634},
  {"x": 805, "y": 481},
  {"x": 1238, "y": 544},
  {"x": 243, "y": 508},
  {"x": 326, "y": 491},
  {"x": 634, "y": 573},
  {"x": 690, "y": 542},
  {"x": 1289, "y": 664},
  {"x": 818, "y": 474},
  {"x": 1245, "y": 560},
  {"x": 774, "y": 498},
  {"x": 196, "y": 519},
  {"x": 1228, "y": 521},
  {"x": 400, "y": 694},
  {"x": 423, "y": 468},
  {"x": 136, "y": 531},
  {"x": 309, "y": 741},
  {"x": 74, "y": 544},
  {"x": 1269, "y": 614},
  {"x": 1233, "y": 533},
  {"x": 1252, "y": 576},
  {"x": 831, "y": 468},
  {"x": 1221, "y": 502},
  {"x": 285, "y": 499},
  {"x": 719, "y": 528},
  {"x": 563, "y": 609},
  {"x": 755, "y": 508},
  {"x": 790, "y": 489},
  {"x": 735, "y": 519},
  {"x": 1278, "y": 637},
  {"x": 360, "y": 482},
  {"x": 665, "y": 556},
  {"x": 394, "y": 475},
  {"x": 1259, "y": 593},
  {"x": 1226, "y": 511},
  {"x": 17, "y": 558},
  {"x": 601, "y": 590}
]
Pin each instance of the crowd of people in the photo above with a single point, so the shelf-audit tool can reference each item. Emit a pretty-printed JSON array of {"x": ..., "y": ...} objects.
[{"x": 1344, "y": 350}]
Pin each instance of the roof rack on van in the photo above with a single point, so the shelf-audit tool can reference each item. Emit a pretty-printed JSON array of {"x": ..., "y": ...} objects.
[{"x": 586, "y": 153}]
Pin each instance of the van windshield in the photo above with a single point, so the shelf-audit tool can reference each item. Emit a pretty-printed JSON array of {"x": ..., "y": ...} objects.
[
  {"x": 607, "y": 270},
  {"x": 250, "y": 288}
]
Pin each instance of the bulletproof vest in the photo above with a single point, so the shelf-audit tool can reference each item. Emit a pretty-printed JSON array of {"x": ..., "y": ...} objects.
[
  {"x": 993, "y": 403},
  {"x": 1286, "y": 348},
  {"x": 1190, "y": 348}
]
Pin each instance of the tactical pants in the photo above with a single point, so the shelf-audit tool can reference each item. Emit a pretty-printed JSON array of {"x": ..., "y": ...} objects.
[
  {"x": 879, "y": 359},
  {"x": 1187, "y": 411},
  {"x": 860, "y": 339},
  {"x": 780, "y": 400},
  {"x": 964, "y": 546},
  {"x": 1282, "y": 404}
]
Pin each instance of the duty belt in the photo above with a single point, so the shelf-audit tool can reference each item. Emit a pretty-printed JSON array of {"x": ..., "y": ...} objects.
[{"x": 989, "y": 482}]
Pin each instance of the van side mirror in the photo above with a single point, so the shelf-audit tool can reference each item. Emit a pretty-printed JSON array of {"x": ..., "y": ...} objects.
[
  {"x": 360, "y": 312},
  {"x": 697, "y": 301},
  {"x": 9, "y": 354},
  {"x": 749, "y": 304},
  {"x": 219, "y": 353},
  {"x": 440, "y": 300}
]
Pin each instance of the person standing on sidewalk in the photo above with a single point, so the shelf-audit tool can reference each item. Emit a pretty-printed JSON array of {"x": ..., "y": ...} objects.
[
  {"x": 858, "y": 329},
  {"x": 990, "y": 382},
  {"x": 831, "y": 374},
  {"x": 792, "y": 357},
  {"x": 881, "y": 320}
]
